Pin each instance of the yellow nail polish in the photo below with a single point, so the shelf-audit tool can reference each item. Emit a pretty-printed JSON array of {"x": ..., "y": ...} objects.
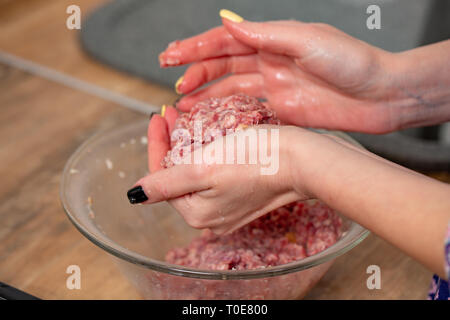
[
  {"x": 163, "y": 110},
  {"x": 177, "y": 84},
  {"x": 230, "y": 15}
]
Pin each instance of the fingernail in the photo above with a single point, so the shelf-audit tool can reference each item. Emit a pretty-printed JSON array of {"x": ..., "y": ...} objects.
[
  {"x": 230, "y": 15},
  {"x": 178, "y": 83},
  {"x": 136, "y": 195},
  {"x": 163, "y": 110},
  {"x": 176, "y": 102}
]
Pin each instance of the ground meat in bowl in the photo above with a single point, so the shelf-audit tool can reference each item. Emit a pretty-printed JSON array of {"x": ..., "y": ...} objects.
[{"x": 284, "y": 235}]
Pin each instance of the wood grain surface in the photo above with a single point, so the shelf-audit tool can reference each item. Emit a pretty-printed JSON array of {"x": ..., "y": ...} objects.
[{"x": 42, "y": 123}]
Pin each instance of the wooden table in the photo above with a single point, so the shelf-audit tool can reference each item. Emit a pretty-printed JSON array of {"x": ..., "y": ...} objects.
[{"x": 41, "y": 124}]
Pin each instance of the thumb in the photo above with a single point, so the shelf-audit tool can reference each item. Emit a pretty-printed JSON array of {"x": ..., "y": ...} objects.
[
  {"x": 280, "y": 37},
  {"x": 169, "y": 183}
]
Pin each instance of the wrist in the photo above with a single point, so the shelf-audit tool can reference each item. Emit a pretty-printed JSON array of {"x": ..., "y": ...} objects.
[
  {"x": 416, "y": 86},
  {"x": 300, "y": 150}
]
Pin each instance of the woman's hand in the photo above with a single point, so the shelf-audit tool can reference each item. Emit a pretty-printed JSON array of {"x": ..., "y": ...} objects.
[
  {"x": 310, "y": 74},
  {"x": 315, "y": 75},
  {"x": 209, "y": 195}
]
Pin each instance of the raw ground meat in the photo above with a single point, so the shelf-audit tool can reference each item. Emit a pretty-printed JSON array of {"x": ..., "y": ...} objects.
[
  {"x": 284, "y": 235},
  {"x": 287, "y": 234},
  {"x": 217, "y": 116}
]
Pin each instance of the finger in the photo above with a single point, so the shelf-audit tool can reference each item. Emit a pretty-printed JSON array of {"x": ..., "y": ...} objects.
[
  {"x": 158, "y": 142},
  {"x": 171, "y": 116},
  {"x": 250, "y": 84},
  {"x": 170, "y": 183},
  {"x": 209, "y": 70},
  {"x": 281, "y": 37},
  {"x": 214, "y": 43},
  {"x": 196, "y": 211}
]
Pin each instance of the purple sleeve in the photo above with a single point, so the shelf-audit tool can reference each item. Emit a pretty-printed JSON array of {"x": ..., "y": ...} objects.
[{"x": 440, "y": 289}]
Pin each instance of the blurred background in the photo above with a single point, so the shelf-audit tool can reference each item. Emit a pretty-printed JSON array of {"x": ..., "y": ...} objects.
[{"x": 59, "y": 86}]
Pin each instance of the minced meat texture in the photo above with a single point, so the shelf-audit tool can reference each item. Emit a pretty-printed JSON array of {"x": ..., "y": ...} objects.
[
  {"x": 284, "y": 235},
  {"x": 216, "y": 116}
]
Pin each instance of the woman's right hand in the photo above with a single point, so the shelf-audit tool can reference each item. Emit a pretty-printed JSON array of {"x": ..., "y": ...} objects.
[{"x": 310, "y": 74}]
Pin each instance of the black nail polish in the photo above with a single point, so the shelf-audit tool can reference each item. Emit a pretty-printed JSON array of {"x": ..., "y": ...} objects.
[{"x": 136, "y": 195}]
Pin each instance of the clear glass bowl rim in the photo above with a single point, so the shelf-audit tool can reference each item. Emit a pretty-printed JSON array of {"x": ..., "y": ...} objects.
[{"x": 102, "y": 241}]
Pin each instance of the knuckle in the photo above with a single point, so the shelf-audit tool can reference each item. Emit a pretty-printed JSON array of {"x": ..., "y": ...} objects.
[
  {"x": 320, "y": 25},
  {"x": 195, "y": 221},
  {"x": 309, "y": 28},
  {"x": 193, "y": 212},
  {"x": 160, "y": 189},
  {"x": 232, "y": 64},
  {"x": 202, "y": 171},
  {"x": 196, "y": 172},
  {"x": 219, "y": 230},
  {"x": 205, "y": 72}
]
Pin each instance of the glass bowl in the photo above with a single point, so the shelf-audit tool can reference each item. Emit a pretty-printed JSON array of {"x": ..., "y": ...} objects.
[{"x": 93, "y": 193}]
